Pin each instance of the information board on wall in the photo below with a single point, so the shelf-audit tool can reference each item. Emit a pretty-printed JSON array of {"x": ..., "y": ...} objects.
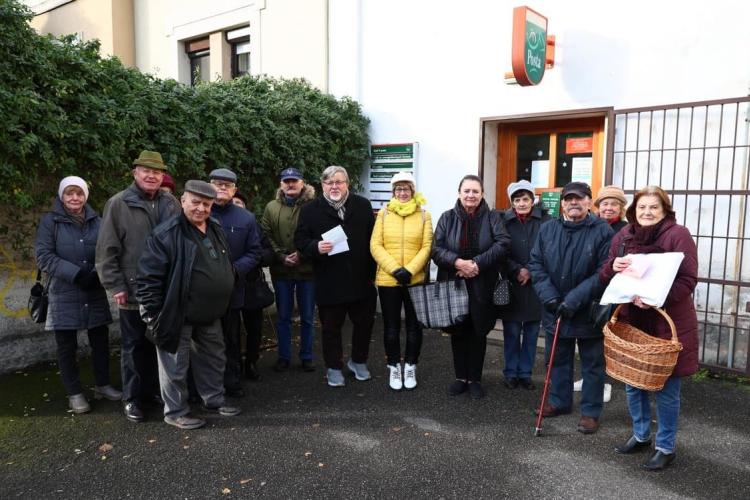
[
  {"x": 552, "y": 200},
  {"x": 386, "y": 160}
]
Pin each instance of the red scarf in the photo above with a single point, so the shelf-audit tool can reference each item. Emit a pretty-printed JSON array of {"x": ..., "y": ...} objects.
[
  {"x": 612, "y": 221},
  {"x": 522, "y": 218}
]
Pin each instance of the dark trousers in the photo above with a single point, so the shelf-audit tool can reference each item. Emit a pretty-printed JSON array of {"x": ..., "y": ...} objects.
[
  {"x": 468, "y": 353},
  {"x": 253, "y": 321},
  {"x": 140, "y": 369},
  {"x": 591, "y": 352},
  {"x": 67, "y": 347},
  {"x": 230, "y": 325},
  {"x": 362, "y": 315},
  {"x": 391, "y": 300}
]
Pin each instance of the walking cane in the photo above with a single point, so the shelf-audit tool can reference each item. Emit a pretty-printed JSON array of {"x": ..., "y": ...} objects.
[{"x": 538, "y": 430}]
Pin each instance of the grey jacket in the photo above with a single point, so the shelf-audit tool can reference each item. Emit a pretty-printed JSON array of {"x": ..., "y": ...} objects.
[{"x": 128, "y": 219}]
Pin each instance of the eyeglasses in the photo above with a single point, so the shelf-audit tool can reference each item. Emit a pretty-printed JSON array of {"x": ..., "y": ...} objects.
[
  {"x": 334, "y": 183},
  {"x": 223, "y": 185},
  {"x": 211, "y": 250},
  {"x": 403, "y": 190}
]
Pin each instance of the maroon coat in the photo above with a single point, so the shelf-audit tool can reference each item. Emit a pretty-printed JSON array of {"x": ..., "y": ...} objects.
[{"x": 679, "y": 304}]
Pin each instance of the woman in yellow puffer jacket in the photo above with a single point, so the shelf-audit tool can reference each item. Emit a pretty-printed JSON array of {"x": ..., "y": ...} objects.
[{"x": 401, "y": 244}]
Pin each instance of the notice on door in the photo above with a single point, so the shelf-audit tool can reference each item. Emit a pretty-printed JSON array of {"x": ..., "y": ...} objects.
[
  {"x": 540, "y": 174},
  {"x": 582, "y": 170}
]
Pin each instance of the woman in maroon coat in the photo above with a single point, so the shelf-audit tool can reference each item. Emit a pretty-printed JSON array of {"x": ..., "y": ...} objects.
[{"x": 652, "y": 229}]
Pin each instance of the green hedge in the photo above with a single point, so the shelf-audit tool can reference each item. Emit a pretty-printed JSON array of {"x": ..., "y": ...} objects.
[{"x": 67, "y": 111}]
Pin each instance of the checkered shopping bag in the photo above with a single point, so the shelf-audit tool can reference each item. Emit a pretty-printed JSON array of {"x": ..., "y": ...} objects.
[{"x": 441, "y": 304}]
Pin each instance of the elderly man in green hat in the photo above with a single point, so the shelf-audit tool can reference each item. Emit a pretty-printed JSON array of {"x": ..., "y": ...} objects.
[{"x": 128, "y": 219}]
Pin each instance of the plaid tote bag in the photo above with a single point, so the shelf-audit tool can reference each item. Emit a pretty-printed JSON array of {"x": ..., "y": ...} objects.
[{"x": 440, "y": 304}]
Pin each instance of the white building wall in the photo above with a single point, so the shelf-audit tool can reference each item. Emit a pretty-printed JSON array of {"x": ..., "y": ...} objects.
[{"x": 427, "y": 70}]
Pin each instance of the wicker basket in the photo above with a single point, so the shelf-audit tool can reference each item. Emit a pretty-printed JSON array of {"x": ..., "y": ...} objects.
[{"x": 639, "y": 359}]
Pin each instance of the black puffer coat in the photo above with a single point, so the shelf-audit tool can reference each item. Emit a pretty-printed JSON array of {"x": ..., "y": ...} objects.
[
  {"x": 565, "y": 264},
  {"x": 494, "y": 244},
  {"x": 66, "y": 256},
  {"x": 526, "y": 305}
]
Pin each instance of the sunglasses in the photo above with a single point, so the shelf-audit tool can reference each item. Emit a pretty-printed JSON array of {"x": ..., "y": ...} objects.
[{"x": 211, "y": 250}]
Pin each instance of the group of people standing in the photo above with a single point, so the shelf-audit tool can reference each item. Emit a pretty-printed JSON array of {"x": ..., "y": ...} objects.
[{"x": 177, "y": 271}]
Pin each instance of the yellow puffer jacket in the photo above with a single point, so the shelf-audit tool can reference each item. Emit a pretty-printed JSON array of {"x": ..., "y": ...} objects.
[{"x": 401, "y": 242}]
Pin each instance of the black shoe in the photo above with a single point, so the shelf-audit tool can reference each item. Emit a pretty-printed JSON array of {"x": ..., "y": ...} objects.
[
  {"x": 308, "y": 365},
  {"x": 475, "y": 390},
  {"x": 152, "y": 401},
  {"x": 281, "y": 365},
  {"x": 235, "y": 392},
  {"x": 194, "y": 400},
  {"x": 457, "y": 387},
  {"x": 134, "y": 414},
  {"x": 658, "y": 460},
  {"x": 511, "y": 382},
  {"x": 527, "y": 383},
  {"x": 632, "y": 446},
  {"x": 252, "y": 373}
]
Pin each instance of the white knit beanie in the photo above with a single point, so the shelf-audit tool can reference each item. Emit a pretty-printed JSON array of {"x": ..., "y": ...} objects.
[
  {"x": 404, "y": 177},
  {"x": 73, "y": 181}
]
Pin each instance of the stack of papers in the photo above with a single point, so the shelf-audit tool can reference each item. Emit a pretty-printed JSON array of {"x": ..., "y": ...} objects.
[{"x": 338, "y": 237}]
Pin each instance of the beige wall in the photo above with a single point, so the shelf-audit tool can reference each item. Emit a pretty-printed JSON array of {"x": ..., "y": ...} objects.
[
  {"x": 111, "y": 21},
  {"x": 295, "y": 39}
]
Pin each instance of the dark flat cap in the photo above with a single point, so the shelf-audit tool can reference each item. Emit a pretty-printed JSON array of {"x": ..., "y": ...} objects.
[
  {"x": 200, "y": 188},
  {"x": 580, "y": 189},
  {"x": 223, "y": 174}
]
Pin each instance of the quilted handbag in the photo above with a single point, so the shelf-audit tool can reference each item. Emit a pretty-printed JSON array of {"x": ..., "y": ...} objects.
[
  {"x": 501, "y": 295},
  {"x": 440, "y": 304}
]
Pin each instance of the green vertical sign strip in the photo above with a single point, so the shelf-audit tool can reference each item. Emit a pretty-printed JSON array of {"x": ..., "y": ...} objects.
[
  {"x": 552, "y": 201},
  {"x": 536, "y": 51}
]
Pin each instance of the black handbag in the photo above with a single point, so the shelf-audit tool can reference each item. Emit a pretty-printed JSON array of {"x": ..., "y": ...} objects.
[
  {"x": 38, "y": 300},
  {"x": 258, "y": 295},
  {"x": 501, "y": 295}
]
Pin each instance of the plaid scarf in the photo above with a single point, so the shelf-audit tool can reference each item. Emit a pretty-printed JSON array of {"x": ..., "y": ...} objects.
[{"x": 338, "y": 205}]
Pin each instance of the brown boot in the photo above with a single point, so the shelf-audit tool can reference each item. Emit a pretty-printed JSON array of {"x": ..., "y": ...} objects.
[{"x": 588, "y": 425}]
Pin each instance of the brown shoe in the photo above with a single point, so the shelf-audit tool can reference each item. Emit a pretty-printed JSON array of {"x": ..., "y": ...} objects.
[
  {"x": 588, "y": 425},
  {"x": 552, "y": 411}
]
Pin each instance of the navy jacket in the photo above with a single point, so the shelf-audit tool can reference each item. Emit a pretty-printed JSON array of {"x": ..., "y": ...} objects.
[
  {"x": 243, "y": 235},
  {"x": 348, "y": 276},
  {"x": 526, "y": 305},
  {"x": 66, "y": 258},
  {"x": 565, "y": 264}
]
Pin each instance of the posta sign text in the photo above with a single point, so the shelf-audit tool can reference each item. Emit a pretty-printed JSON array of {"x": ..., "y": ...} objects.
[{"x": 529, "y": 53}]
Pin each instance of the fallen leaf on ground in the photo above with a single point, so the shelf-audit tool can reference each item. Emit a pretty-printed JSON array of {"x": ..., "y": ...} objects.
[
  {"x": 187, "y": 437},
  {"x": 307, "y": 454},
  {"x": 426, "y": 433},
  {"x": 245, "y": 481},
  {"x": 106, "y": 447},
  {"x": 321, "y": 464},
  {"x": 104, "y": 457},
  {"x": 226, "y": 491},
  {"x": 152, "y": 440},
  {"x": 126, "y": 456},
  {"x": 186, "y": 447},
  {"x": 360, "y": 395},
  {"x": 316, "y": 425},
  {"x": 399, "y": 428}
]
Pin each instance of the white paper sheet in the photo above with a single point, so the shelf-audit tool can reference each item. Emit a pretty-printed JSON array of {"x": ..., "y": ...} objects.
[
  {"x": 338, "y": 237},
  {"x": 540, "y": 173},
  {"x": 653, "y": 287}
]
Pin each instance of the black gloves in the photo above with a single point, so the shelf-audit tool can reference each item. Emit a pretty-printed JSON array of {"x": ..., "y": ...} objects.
[
  {"x": 552, "y": 305},
  {"x": 402, "y": 276},
  {"x": 90, "y": 281},
  {"x": 565, "y": 311}
]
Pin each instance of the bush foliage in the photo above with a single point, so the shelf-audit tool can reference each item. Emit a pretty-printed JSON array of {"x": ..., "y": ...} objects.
[{"x": 66, "y": 111}]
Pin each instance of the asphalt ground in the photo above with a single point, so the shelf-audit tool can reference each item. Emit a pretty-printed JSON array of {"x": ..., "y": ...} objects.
[{"x": 297, "y": 438}]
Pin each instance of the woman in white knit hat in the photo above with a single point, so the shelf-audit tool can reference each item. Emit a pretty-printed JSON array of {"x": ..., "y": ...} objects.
[
  {"x": 64, "y": 249},
  {"x": 400, "y": 244}
]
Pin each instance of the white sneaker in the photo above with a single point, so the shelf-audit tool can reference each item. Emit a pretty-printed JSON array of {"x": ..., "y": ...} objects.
[
  {"x": 394, "y": 379},
  {"x": 107, "y": 392},
  {"x": 578, "y": 385},
  {"x": 607, "y": 392},
  {"x": 78, "y": 404},
  {"x": 410, "y": 376}
]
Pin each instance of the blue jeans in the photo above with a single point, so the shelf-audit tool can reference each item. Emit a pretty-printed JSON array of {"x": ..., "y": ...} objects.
[
  {"x": 519, "y": 355},
  {"x": 285, "y": 305},
  {"x": 667, "y": 413},
  {"x": 591, "y": 352}
]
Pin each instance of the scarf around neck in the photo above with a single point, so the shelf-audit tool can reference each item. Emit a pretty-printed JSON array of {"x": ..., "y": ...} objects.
[
  {"x": 470, "y": 222},
  {"x": 338, "y": 206},
  {"x": 407, "y": 208},
  {"x": 78, "y": 219},
  {"x": 645, "y": 236}
]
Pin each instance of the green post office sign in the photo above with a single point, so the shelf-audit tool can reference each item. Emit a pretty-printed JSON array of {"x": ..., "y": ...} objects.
[{"x": 529, "y": 56}]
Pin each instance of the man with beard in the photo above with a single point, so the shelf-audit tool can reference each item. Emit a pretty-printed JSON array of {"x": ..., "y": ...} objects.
[
  {"x": 291, "y": 271},
  {"x": 344, "y": 281},
  {"x": 564, "y": 266}
]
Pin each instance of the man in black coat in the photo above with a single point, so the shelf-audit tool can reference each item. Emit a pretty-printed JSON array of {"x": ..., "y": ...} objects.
[
  {"x": 184, "y": 284},
  {"x": 344, "y": 271},
  {"x": 564, "y": 266}
]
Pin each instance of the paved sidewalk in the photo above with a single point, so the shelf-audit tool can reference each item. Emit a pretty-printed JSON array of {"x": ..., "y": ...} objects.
[{"x": 297, "y": 438}]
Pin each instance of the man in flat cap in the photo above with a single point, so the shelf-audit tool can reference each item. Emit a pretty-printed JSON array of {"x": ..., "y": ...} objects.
[
  {"x": 243, "y": 236},
  {"x": 127, "y": 220},
  {"x": 564, "y": 266},
  {"x": 184, "y": 284},
  {"x": 292, "y": 272}
]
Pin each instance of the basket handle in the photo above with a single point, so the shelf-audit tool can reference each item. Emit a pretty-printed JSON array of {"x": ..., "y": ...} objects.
[{"x": 660, "y": 310}]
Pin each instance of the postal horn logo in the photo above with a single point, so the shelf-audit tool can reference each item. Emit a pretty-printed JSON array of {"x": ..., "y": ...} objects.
[{"x": 536, "y": 52}]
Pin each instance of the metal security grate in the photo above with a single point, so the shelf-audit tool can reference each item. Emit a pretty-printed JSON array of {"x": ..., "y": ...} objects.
[{"x": 699, "y": 153}]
